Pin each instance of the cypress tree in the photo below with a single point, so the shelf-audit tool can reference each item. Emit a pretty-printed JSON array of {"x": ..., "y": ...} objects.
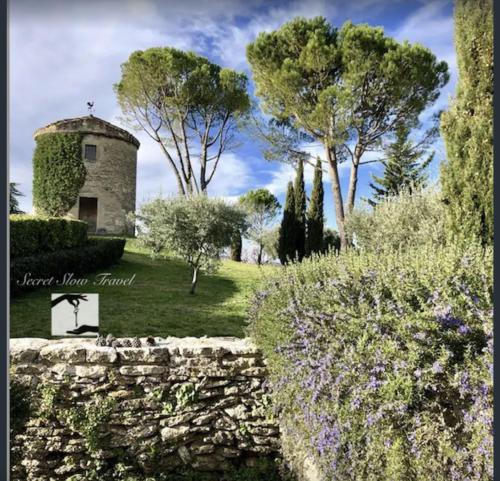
[
  {"x": 402, "y": 169},
  {"x": 315, "y": 215},
  {"x": 300, "y": 211},
  {"x": 467, "y": 127},
  {"x": 236, "y": 247},
  {"x": 288, "y": 229}
]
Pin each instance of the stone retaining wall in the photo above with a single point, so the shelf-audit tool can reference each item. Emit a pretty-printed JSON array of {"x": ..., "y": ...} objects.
[{"x": 187, "y": 402}]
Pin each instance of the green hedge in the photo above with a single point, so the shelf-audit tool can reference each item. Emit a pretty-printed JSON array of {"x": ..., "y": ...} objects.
[
  {"x": 96, "y": 254},
  {"x": 30, "y": 235}
]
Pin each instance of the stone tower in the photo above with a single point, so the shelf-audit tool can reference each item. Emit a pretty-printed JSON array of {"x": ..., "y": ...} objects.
[{"x": 110, "y": 156}]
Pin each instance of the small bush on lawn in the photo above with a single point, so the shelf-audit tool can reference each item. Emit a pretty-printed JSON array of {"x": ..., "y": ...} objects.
[
  {"x": 30, "y": 235},
  {"x": 96, "y": 254},
  {"x": 399, "y": 222},
  {"x": 384, "y": 362}
]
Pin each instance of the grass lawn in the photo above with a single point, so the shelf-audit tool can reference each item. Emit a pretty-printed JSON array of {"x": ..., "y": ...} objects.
[{"x": 157, "y": 303}]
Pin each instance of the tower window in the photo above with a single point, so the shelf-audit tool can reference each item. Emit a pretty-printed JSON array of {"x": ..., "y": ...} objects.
[{"x": 90, "y": 152}]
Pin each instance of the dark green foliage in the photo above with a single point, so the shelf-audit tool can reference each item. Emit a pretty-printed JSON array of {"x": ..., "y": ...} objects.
[
  {"x": 288, "y": 229},
  {"x": 402, "y": 170},
  {"x": 20, "y": 406},
  {"x": 96, "y": 254},
  {"x": 300, "y": 211},
  {"x": 58, "y": 172},
  {"x": 30, "y": 235},
  {"x": 315, "y": 214},
  {"x": 14, "y": 193},
  {"x": 331, "y": 241},
  {"x": 236, "y": 247},
  {"x": 467, "y": 127}
]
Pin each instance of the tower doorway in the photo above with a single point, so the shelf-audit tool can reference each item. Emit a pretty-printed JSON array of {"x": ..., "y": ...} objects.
[{"x": 87, "y": 212}]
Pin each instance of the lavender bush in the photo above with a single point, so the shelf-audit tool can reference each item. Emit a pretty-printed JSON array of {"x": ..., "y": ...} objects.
[{"x": 383, "y": 362}]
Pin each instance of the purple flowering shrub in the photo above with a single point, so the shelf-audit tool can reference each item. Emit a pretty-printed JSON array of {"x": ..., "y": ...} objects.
[{"x": 383, "y": 362}]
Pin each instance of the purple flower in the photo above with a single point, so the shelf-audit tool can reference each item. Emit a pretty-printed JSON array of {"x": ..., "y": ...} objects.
[
  {"x": 445, "y": 318},
  {"x": 463, "y": 329},
  {"x": 374, "y": 383},
  {"x": 433, "y": 297},
  {"x": 417, "y": 373},
  {"x": 437, "y": 368}
]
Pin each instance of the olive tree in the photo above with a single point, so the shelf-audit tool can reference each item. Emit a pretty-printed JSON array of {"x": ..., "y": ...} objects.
[
  {"x": 347, "y": 88},
  {"x": 195, "y": 228},
  {"x": 188, "y": 105}
]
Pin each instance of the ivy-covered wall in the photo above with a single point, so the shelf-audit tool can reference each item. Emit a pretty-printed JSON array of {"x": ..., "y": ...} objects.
[
  {"x": 125, "y": 413},
  {"x": 58, "y": 172}
]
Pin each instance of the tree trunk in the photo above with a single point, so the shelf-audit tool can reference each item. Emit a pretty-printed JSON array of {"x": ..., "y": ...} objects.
[
  {"x": 353, "y": 180},
  {"x": 259, "y": 256},
  {"x": 337, "y": 196},
  {"x": 180, "y": 185},
  {"x": 194, "y": 281}
]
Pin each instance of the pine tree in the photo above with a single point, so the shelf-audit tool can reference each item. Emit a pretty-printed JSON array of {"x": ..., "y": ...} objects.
[
  {"x": 300, "y": 211},
  {"x": 288, "y": 229},
  {"x": 236, "y": 247},
  {"x": 467, "y": 127},
  {"x": 315, "y": 215},
  {"x": 14, "y": 202},
  {"x": 402, "y": 169}
]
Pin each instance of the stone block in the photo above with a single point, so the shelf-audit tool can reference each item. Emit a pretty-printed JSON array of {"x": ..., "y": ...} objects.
[
  {"x": 147, "y": 355},
  {"x": 142, "y": 370},
  {"x": 91, "y": 372},
  {"x": 25, "y": 350},
  {"x": 63, "y": 352},
  {"x": 174, "y": 434},
  {"x": 101, "y": 355}
]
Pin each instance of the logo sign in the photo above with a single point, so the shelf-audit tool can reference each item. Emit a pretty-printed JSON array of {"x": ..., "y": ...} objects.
[{"x": 75, "y": 315}]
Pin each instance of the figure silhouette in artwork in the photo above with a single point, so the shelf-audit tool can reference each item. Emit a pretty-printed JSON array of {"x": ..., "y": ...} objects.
[{"x": 74, "y": 300}]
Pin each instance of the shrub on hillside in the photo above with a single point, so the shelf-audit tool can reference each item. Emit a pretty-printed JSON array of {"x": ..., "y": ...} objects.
[
  {"x": 96, "y": 254},
  {"x": 399, "y": 222},
  {"x": 383, "y": 363},
  {"x": 31, "y": 235}
]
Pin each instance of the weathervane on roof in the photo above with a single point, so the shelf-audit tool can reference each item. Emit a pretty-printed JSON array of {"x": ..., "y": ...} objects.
[{"x": 90, "y": 106}]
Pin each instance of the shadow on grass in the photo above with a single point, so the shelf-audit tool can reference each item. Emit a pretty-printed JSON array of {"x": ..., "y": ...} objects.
[{"x": 156, "y": 303}]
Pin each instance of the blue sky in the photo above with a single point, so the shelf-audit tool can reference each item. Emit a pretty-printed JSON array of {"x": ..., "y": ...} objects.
[{"x": 63, "y": 54}]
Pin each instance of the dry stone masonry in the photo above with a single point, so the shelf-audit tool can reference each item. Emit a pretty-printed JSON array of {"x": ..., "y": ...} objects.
[{"x": 185, "y": 402}]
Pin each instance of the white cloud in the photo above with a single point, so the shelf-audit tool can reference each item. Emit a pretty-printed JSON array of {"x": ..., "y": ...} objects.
[{"x": 234, "y": 176}]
